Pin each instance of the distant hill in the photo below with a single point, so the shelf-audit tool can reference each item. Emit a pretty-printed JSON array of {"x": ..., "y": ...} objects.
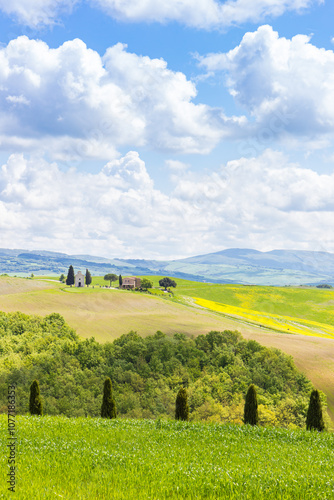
[
  {"x": 246, "y": 266},
  {"x": 235, "y": 265}
]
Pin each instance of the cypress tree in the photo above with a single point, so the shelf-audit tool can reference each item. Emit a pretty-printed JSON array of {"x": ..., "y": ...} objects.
[
  {"x": 314, "y": 418},
  {"x": 181, "y": 405},
  {"x": 35, "y": 403},
  {"x": 120, "y": 280},
  {"x": 108, "y": 408},
  {"x": 70, "y": 276},
  {"x": 88, "y": 278},
  {"x": 250, "y": 410}
]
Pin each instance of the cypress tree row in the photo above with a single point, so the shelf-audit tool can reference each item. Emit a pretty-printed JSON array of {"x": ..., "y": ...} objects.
[
  {"x": 250, "y": 410},
  {"x": 35, "y": 403},
  {"x": 108, "y": 408},
  {"x": 181, "y": 405},
  {"x": 70, "y": 276},
  {"x": 314, "y": 418}
]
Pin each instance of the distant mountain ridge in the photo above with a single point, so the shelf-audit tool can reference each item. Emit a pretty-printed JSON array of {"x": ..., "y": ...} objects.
[{"x": 234, "y": 265}]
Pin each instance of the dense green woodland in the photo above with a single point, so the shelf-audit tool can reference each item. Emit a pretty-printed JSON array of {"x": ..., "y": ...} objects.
[{"x": 147, "y": 373}]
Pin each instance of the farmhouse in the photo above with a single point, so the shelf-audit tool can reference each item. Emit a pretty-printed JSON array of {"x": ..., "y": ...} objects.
[
  {"x": 79, "y": 279},
  {"x": 131, "y": 282}
]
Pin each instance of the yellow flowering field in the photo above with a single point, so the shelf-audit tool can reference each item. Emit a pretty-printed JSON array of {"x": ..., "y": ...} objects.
[{"x": 280, "y": 323}]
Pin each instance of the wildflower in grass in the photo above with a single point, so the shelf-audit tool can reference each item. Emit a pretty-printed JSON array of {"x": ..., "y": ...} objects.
[
  {"x": 314, "y": 418},
  {"x": 108, "y": 408},
  {"x": 35, "y": 403},
  {"x": 250, "y": 411},
  {"x": 181, "y": 405}
]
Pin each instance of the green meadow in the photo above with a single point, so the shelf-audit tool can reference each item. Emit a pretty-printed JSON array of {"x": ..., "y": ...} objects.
[
  {"x": 92, "y": 458},
  {"x": 310, "y": 303}
]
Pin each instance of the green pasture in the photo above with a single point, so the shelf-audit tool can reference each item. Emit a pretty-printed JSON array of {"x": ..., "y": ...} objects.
[
  {"x": 90, "y": 458},
  {"x": 309, "y": 303}
]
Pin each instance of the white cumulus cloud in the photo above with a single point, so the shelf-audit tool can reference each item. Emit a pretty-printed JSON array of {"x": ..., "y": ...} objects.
[
  {"x": 264, "y": 202},
  {"x": 36, "y": 13},
  {"x": 286, "y": 85},
  {"x": 205, "y": 14},
  {"x": 73, "y": 102}
]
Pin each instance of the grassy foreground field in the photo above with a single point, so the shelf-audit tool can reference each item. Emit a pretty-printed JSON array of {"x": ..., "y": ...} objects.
[{"x": 146, "y": 459}]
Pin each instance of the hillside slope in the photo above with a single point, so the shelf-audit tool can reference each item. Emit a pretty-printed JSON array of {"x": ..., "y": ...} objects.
[
  {"x": 147, "y": 373},
  {"x": 106, "y": 313}
]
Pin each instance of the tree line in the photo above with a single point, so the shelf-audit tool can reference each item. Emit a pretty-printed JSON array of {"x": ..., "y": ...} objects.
[
  {"x": 215, "y": 369},
  {"x": 112, "y": 278},
  {"x": 314, "y": 419},
  {"x": 70, "y": 279}
]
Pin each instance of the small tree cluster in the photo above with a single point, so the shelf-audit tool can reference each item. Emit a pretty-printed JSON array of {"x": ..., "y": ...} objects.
[
  {"x": 145, "y": 284},
  {"x": 167, "y": 282}
]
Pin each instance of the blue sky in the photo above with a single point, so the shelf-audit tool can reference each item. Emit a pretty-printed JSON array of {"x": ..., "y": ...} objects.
[{"x": 163, "y": 130}]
